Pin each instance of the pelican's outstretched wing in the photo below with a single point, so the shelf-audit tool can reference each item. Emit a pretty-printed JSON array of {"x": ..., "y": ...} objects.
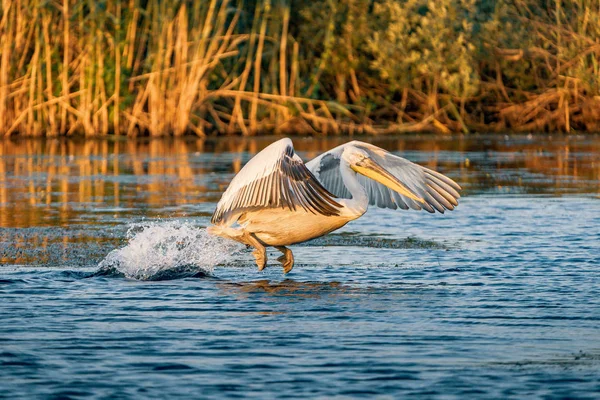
[
  {"x": 275, "y": 177},
  {"x": 433, "y": 190}
]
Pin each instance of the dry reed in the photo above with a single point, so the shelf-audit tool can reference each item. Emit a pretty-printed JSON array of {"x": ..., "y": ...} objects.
[{"x": 157, "y": 67}]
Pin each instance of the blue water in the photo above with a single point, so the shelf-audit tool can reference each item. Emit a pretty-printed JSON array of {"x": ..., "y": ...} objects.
[{"x": 123, "y": 295}]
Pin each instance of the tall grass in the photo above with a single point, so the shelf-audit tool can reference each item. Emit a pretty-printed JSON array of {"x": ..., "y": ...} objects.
[
  {"x": 124, "y": 67},
  {"x": 177, "y": 67}
]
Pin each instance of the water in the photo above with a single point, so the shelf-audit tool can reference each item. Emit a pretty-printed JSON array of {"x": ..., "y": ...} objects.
[{"x": 111, "y": 288}]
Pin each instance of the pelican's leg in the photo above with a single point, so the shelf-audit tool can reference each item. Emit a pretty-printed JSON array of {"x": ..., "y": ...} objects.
[
  {"x": 259, "y": 253},
  {"x": 244, "y": 237},
  {"x": 287, "y": 259}
]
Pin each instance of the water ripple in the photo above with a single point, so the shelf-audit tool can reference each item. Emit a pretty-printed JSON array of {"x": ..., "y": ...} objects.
[{"x": 101, "y": 298}]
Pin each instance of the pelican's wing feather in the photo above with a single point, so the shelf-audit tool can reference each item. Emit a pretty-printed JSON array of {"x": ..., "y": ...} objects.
[
  {"x": 437, "y": 191},
  {"x": 275, "y": 177}
]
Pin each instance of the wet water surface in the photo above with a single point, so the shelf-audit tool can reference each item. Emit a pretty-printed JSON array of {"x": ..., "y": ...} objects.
[{"x": 111, "y": 288}]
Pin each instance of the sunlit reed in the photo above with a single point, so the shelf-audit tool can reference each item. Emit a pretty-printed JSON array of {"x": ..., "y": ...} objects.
[{"x": 153, "y": 67}]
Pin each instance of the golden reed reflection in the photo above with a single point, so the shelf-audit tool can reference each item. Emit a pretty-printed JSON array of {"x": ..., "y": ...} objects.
[
  {"x": 48, "y": 182},
  {"x": 66, "y": 185}
]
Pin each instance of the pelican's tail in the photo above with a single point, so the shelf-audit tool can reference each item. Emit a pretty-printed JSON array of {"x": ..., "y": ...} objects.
[{"x": 214, "y": 230}]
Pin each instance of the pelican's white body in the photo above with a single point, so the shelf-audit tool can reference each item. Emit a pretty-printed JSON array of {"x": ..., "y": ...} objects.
[
  {"x": 280, "y": 227},
  {"x": 283, "y": 227}
]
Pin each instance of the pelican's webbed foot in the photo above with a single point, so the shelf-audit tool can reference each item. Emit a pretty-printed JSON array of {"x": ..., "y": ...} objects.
[
  {"x": 287, "y": 259},
  {"x": 260, "y": 255}
]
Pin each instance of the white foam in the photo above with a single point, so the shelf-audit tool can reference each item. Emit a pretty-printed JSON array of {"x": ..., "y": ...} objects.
[{"x": 156, "y": 248}]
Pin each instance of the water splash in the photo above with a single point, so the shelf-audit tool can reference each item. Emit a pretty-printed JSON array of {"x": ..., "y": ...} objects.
[{"x": 168, "y": 250}]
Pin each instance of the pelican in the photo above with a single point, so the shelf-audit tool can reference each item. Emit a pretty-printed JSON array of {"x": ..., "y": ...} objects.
[{"x": 277, "y": 200}]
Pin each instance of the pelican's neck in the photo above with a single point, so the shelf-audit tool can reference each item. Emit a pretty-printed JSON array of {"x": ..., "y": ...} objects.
[{"x": 359, "y": 202}]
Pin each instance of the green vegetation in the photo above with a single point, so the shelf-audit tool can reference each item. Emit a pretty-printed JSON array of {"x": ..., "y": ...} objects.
[{"x": 169, "y": 67}]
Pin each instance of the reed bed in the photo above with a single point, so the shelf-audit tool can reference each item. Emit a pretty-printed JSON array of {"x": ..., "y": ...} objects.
[{"x": 175, "y": 67}]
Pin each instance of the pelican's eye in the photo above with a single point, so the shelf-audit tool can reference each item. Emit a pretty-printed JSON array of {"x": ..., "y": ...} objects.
[{"x": 361, "y": 158}]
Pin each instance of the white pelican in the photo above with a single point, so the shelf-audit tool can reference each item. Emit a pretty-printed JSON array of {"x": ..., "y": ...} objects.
[{"x": 277, "y": 200}]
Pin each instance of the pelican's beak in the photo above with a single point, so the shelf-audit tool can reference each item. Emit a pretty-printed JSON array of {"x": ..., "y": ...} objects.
[{"x": 371, "y": 169}]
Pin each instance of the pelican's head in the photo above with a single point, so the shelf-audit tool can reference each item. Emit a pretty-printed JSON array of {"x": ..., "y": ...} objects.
[
  {"x": 355, "y": 156},
  {"x": 360, "y": 161}
]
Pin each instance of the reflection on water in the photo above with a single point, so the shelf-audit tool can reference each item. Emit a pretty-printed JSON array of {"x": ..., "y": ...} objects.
[
  {"x": 286, "y": 288},
  {"x": 43, "y": 182},
  {"x": 107, "y": 183}
]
